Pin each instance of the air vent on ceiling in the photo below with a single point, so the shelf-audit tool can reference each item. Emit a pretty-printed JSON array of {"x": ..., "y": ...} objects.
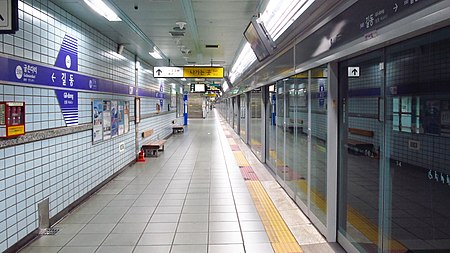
[
  {"x": 212, "y": 46},
  {"x": 191, "y": 62},
  {"x": 176, "y": 34}
]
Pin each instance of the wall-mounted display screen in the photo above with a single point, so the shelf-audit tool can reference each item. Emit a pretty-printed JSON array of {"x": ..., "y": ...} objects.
[
  {"x": 200, "y": 87},
  {"x": 260, "y": 41}
]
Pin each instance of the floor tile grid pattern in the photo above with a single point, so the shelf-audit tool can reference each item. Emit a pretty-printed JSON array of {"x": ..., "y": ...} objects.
[{"x": 157, "y": 206}]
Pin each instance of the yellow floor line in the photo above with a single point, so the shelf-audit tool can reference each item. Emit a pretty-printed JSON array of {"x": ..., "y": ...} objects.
[
  {"x": 274, "y": 224},
  {"x": 279, "y": 234},
  {"x": 240, "y": 158},
  {"x": 357, "y": 220}
]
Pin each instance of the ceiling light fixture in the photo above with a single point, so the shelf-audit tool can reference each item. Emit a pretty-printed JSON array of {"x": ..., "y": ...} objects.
[
  {"x": 101, "y": 8},
  {"x": 155, "y": 54},
  {"x": 278, "y": 17}
]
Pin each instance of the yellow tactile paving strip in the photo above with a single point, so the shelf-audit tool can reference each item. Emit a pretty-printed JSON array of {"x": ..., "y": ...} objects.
[
  {"x": 279, "y": 234},
  {"x": 281, "y": 238},
  {"x": 240, "y": 158}
]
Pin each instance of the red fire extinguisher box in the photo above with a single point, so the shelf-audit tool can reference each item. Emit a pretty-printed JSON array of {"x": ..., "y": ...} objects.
[{"x": 12, "y": 119}]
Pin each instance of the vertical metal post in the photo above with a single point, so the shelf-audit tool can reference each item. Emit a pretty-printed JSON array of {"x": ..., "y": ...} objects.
[{"x": 332, "y": 152}]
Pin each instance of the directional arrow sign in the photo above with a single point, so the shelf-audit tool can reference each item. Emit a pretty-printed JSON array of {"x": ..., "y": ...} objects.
[
  {"x": 167, "y": 72},
  {"x": 53, "y": 77},
  {"x": 353, "y": 72},
  {"x": 395, "y": 7}
]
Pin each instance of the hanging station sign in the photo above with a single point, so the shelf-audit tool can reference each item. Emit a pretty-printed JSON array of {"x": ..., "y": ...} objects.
[{"x": 188, "y": 72}]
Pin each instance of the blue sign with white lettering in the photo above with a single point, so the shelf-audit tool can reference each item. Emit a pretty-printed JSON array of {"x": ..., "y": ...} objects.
[
  {"x": 68, "y": 54},
  {"x": 30, "y": 73},
  {"x": 68, "y": 101}
]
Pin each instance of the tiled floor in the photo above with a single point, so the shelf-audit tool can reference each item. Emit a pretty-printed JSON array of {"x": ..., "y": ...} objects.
[{"x": 192, "y": 198}]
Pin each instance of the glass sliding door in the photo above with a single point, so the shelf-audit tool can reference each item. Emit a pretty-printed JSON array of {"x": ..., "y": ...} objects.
[
  {"x": 243, "y": 117},
  {"x": 318, "y": 137},
  {"x": 281, "y": 129},
  {"x": 417, "y": 203},
  {"x": 297, "y": 135},
  {"x": 298, "y": 139},
  {"x": 272, "y": 129},
  {"x": 256, "y": 123},
  {"x": 360, "y": 144},
  {"x": 236, "y": 112}
]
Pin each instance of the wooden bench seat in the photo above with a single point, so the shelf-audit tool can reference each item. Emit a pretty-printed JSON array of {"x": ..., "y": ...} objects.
[
  {"x": 153, "y": 147},
  {"x": 177, "y": 129}
]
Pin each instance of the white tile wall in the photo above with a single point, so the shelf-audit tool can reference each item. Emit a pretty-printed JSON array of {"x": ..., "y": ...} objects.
[{"x": 63, "y": 168}]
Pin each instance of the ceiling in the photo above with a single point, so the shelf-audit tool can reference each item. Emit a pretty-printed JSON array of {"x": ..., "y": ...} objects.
[{"x": 148, "y": 23}]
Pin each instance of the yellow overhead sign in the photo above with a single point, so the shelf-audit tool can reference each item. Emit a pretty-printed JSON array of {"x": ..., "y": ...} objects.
[{"x": 203, "y": 72}]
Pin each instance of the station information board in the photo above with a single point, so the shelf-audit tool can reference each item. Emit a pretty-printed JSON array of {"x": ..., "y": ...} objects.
[{"x": 188, "y": 72}]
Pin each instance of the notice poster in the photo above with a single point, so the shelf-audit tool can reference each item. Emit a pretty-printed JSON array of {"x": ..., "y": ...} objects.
[
  {"x": 114, "y": 118},
  {"x": 97, "y": 120},
  {"x": 126, "y": 119},
  {"x": 121, "y": 116},
  {"x": 106, "y": 120}
]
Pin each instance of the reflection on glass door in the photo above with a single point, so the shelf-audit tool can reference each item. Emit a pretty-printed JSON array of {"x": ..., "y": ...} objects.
[
  {"x": 243, "y": 117},
  {"x": 236, "y": 111},
  {"x": 418, "y": 140},
  {"x": 256, "y": 124},
  {"x": 297, "y": 135},
  {"x": 360, "y": 144},
  {"x": 280, "y": 130},
  {"x": 272, "y": 129},
  {"x": 318, "y": 156}
]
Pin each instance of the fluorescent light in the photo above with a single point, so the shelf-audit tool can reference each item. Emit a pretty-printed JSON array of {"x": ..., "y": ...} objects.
[
  {"x": 278, "y": 16},
  {"x": 245, "y": 59},
  {"x": 225, "y": 86},
  {"x": 101, "y": 8},
  {"x": 155, "y": 54}
]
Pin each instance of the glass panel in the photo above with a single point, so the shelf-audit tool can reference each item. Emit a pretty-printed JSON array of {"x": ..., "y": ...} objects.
[
  {"x": 296, "y": 135},
  {"x": 236, "y": 109},
  {"x": 359, "y": 168},
  {"x": 418, "y": 71},
  {"x": 243, "y": 116},
  {"x": 281, "y": 121},
  {"x": 272, "y": 129},
  {"x": 319, "y": 84},
  {"x": 256, "y": 122}
]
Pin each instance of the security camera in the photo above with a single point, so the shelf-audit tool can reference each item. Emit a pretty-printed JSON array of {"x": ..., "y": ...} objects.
[{"x": 136, "y": 7}]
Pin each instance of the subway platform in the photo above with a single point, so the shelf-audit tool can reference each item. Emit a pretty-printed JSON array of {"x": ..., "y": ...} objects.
[{"x": 205, "y": 193}]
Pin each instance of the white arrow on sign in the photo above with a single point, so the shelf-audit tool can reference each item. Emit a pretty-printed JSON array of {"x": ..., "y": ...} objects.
[
  {"x": 53, "y": 77},
  {"x": 395, "y": 7},
  {"x": 353, "y": 72},
  {"x": 160, "y": 72}
]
